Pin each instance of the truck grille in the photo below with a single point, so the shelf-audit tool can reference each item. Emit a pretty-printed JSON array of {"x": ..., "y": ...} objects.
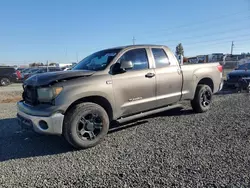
[{"x": 30, "y": 95}]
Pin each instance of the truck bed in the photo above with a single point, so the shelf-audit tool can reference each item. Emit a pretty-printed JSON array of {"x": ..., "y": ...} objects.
[{"x": 194, "y": 73}]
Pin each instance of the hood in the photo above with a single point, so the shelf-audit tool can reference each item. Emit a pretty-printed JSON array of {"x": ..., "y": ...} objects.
[
  {"x": 244, "y": 73},
  {"x": 48, "y": 78}
]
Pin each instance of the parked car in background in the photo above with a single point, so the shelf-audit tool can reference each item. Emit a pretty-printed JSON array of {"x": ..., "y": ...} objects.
[
  {"x": 40, "y": 70},
  {"x": 239, "y": 77},
  {"x": 26, "y": 73},
  {"x": 8, "y": 75}
]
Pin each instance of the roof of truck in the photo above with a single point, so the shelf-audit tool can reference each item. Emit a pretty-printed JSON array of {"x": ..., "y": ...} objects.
[{"x": 140, "y": 45}]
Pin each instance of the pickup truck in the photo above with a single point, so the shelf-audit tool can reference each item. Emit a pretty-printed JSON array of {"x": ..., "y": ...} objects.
[{"x": 114, "y": 85}]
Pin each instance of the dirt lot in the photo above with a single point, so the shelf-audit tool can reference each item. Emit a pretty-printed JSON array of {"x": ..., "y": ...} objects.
[
  {"x": 11, "y": 88},
  {"x": 173, "y": 149},
  {"x": 11, "y": 93}
]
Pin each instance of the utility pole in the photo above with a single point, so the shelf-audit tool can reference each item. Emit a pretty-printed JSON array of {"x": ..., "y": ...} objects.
[
  {"x": 47, "y": 66},
  {"x": 232, "y": 47},
  {"x": 133, "y": 40}
]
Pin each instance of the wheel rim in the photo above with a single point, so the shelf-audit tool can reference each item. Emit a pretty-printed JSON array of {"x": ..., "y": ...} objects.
[
  {"x": 5, "y": 81},
  {"x": 206, "y": 97},
  {"x": 89, "y": 126}
]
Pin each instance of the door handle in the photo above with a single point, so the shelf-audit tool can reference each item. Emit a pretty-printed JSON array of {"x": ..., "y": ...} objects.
[{"x": 149, "y": 75}]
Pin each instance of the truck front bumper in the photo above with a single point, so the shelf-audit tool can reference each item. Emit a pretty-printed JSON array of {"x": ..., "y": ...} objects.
[{"x": 52, "y": 124}]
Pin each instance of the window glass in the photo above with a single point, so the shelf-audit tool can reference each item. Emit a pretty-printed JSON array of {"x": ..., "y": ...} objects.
[
  {"x": 138, "y": 57},
  {"x": 7, "y": 70},
  {"x": 40, "y": 71},
  {"x": 97, "y": 61},
  {"x": 244, "y": 66},
  {"x": 161, "y": 58}
]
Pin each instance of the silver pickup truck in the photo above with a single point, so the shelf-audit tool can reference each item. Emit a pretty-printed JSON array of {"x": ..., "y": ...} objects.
[{"x": 118, "y": 84}]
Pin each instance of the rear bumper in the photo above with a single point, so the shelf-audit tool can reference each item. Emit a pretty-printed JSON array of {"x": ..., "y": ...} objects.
[
  {"x": 221, "y": 85},
  {"x": 52, "y": 124},
  {"x": 218, "y": 86}
]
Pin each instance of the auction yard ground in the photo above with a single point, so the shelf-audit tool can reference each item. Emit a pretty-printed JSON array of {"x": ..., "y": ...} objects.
[{"x": 176, "y": 148}]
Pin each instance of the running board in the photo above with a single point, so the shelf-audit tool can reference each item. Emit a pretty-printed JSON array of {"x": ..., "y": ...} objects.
[{"x": 143, "y": 114}]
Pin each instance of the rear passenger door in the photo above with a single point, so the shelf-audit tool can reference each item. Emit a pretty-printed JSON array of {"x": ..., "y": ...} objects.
[
  {"x": 168, "y": 77},
  {"x": 134, "y": 90}
]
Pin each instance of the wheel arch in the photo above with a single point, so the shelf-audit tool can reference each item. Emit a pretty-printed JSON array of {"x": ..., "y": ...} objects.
[
  {"x": 102, "y": 101},
  {"x": 206, "y": 81}
]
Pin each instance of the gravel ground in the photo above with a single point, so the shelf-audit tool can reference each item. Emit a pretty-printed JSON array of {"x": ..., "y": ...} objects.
[
  {"x": 11, "y": 93},
  {"x": 11, "y": 88},
  {"x": 173, "y": 149}
]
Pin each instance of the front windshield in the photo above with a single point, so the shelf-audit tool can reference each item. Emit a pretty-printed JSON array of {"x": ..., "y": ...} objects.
[{"x": 97, "y": 61}]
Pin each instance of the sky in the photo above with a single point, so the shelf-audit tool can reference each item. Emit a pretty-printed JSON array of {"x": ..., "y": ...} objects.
[{"x": 69, "y": 30}]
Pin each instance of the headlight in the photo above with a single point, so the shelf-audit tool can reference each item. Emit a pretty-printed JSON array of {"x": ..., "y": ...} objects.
[{"x": 46, "y": 94}]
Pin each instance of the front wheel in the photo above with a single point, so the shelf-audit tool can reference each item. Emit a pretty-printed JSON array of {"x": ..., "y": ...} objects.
[
  {"x": 86, "y": 125},
  {"x": 202, "y": 99}
]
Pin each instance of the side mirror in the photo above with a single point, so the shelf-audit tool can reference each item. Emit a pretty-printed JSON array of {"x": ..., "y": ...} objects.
[{"x": 126, "y": 65}]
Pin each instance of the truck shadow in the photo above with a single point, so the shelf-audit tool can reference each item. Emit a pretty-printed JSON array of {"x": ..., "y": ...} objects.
[
  {"x": 17, "y": 144},
  {"x": 115, "y": 126}
]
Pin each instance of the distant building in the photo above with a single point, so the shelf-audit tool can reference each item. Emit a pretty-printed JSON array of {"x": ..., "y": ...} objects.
[
  {"x": 192, "y": 59},
  {"x": 214, "y": 57},
  {"x": 202, "y": 58},
  {"x": 64, "y": 64},
  {"x": 198, "y": 59}
]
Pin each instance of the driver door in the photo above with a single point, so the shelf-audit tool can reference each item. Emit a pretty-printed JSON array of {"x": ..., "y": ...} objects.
[{"x": 135, "y": 89}]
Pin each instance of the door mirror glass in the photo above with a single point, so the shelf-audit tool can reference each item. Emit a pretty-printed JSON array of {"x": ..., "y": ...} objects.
[{"x": 126, "y": 65}]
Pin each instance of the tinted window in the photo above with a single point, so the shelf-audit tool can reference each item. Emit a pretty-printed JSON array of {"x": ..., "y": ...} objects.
[
  {"x": 7, "y": 70},
  {"x": 138, "y": 57},
  {"x": 244, "y": 66},
  {"x": 161, "y": 58}
]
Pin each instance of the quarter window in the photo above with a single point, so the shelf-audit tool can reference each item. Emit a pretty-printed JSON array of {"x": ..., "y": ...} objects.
[{"x": 161, "y": 58}]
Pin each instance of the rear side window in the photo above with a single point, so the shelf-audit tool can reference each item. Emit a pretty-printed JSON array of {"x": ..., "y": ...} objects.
[{"x": 161, "y": 58}]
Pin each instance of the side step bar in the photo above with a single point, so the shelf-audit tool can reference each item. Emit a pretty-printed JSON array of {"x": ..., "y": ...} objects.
[{"x": 143, "y": 114}]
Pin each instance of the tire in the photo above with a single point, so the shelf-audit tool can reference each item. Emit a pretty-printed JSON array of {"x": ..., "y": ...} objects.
[
  {"x": 199, "y": 103},
  {"x": 84, "y": 120},
  {"x": 4, "y": 81}
]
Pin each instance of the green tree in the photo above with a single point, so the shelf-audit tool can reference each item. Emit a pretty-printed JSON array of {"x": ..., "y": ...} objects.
[{"x": 179, "y": 50}]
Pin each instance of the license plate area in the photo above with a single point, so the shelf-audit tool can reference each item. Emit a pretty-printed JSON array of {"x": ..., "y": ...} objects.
[{"x": 24, "y": 122}]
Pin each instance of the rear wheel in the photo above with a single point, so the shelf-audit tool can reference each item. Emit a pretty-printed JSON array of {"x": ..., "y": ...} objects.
[
  {"x": 4, "y": 81},
  {"x": 86, "y": 125},
  {"x": 202, "y": 99}
]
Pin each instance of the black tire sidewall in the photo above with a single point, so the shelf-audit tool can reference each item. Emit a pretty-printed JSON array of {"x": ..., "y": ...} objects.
[
  {"x": 71, "y": 125},
  {"x": 196, "y": 102},
  {"x": 8, "y": 83},
  {"x": 205, "y": 88}
]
